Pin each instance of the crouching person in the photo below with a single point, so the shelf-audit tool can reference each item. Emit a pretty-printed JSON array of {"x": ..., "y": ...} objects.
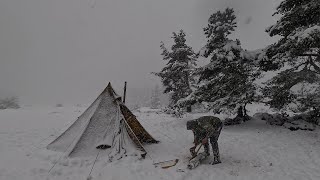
[{"x": 205, "y": 129}]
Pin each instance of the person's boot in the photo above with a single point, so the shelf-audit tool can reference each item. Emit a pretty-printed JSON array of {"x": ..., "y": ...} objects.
[{"x": 216, "y": 160}]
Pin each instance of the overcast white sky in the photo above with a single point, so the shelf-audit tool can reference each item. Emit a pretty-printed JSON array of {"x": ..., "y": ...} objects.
[{"x": 66, "y": 51}]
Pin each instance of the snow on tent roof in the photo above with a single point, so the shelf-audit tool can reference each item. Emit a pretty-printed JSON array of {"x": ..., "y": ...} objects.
[{"x": 106, "y": 124}]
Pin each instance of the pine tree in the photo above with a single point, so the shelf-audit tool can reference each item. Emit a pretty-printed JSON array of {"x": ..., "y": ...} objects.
[
  {"x": 176, "y": 75},
  {"x": 9, "y": 103},
  {"x": 155, "y": 98},
  {"x": 296, "y": 55},
  {"x": 228, "y": 80}
]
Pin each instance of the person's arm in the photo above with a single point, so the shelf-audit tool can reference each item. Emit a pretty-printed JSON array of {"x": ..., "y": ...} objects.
[{"x": 195, "y": 140}]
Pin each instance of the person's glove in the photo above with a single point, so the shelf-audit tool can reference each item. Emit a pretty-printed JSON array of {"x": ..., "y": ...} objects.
[
  {"x": 204, "y": 141},
  {"x": 193, "y": 151}
]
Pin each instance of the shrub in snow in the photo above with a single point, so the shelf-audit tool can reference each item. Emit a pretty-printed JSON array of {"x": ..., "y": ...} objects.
[
  {"x": 234, "y": 121},
  {"x": 299, "y": 125},
  {"x": 314, "y": 117},
  {"x": 310, "y": 117},
  {"x": 59, "y": 105},
  {"x": 297, "y": 122},
  {"x": 9, "y": 103},
  {"x": 302, "y": 117},
  {"x": 277, "y": 119},
  {"x": 262, "y": 116},
  {"x": 272, "y": 119},
  {"x": 174, "y": 111}
]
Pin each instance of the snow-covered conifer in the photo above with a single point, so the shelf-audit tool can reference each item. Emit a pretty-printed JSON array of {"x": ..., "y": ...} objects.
[
  {"x": 176, "y": 75},
  {"x": 296, "y": 55},
  {"x": 227, "y": 81}
]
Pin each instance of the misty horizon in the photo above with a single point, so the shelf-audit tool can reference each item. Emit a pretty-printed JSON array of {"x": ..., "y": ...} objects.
[{"x": 67, "y": 51}]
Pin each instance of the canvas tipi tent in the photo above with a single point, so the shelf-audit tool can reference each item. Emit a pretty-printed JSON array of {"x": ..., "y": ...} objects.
[{"x": 107, "y": 124}]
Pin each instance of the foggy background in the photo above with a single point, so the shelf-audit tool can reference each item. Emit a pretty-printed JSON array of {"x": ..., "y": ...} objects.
[{"x": 66, "y": 51}]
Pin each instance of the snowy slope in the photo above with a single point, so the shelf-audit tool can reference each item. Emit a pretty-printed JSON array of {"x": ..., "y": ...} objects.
[{"x": 252, "y": 150}]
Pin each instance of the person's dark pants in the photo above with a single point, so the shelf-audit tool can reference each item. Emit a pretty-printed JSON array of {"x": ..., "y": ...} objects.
[{"x": 215, "y": 148}]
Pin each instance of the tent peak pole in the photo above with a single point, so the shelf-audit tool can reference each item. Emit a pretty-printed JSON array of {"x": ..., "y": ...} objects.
[{"x": 124, "y": 92}]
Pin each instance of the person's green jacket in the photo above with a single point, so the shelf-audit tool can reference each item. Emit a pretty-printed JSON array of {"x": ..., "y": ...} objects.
[{"x": 207, "y": 127}]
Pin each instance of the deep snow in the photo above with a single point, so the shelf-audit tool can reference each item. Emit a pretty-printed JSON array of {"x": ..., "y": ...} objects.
[{"x": 253, "y": 150}]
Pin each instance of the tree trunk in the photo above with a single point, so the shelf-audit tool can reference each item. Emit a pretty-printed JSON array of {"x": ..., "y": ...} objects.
[
  {"x": 240, "y": 112},
  {"x": 189, "y": 109}
]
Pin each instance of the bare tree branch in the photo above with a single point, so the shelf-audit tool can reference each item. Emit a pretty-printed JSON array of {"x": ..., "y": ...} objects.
[
  {"x": 317, "y": 55},
  {"x": 315, "y": 66}
]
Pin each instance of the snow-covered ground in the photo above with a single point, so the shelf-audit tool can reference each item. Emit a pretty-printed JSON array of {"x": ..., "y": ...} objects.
[{"x": 252, "y": 150}]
